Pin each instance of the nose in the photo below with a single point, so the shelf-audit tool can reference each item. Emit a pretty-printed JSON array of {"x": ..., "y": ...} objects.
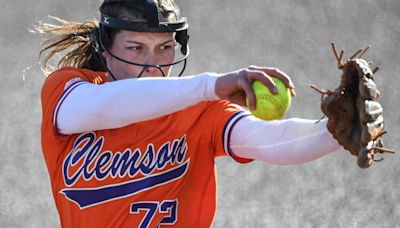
[{"x": 152, "y": 70}]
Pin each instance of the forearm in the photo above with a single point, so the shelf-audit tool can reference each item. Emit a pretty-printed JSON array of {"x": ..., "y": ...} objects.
[
  {"x": 282, "y": 142},
  {"x": 116, "y": 104}
]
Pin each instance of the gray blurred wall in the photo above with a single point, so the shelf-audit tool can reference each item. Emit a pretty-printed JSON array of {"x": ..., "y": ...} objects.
[{"x": 292, "y": 35}]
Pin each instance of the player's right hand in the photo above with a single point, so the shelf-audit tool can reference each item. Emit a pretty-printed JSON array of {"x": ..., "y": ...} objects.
[{"x": 237, "y": 85}]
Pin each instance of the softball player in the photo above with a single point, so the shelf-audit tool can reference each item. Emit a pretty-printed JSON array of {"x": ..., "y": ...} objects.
[{"x": 127, "y": 146}]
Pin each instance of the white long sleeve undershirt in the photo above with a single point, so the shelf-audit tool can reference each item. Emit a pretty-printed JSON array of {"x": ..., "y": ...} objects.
[
  {"x": 282, "y": 142},
  {"x": 120, "y": 103}
]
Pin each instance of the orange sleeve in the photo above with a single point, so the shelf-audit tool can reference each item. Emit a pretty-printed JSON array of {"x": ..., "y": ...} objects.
[
  {"x": 55, "y": 88},
  {"x": 224, "y": 115}
]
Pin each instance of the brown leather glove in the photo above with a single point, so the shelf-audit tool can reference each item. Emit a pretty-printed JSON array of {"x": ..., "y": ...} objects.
[{"x": 354, "y": 114}]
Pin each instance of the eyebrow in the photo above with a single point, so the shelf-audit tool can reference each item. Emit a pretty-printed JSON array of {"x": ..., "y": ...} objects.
[{"x": 140, "y": 43}]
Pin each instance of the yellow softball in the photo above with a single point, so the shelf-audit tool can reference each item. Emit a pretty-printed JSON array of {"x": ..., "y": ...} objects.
[{"x": 270, "y": 106}]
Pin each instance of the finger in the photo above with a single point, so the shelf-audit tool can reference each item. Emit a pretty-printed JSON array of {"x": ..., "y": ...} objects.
[
  {"x": 275, "y": 72},
  {"x": 292, "y": 92},
  {"x": 285, "y": 78},
  {"x": 264, "y": 79},
  {"x": 248, "y": 90},
  {"x": 282, "y": 76}
]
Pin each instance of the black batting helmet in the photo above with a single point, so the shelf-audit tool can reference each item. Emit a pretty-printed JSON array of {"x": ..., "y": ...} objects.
[{"x": 151, "y": 23}]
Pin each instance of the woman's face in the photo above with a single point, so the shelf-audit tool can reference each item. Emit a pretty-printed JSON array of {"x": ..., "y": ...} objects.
[{"x": 143, "y": 48}]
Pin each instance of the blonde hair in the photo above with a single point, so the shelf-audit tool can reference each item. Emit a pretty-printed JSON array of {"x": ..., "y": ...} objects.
[
  {"x": 76, "y": 43},
  {"x": 77, "y": 39}
]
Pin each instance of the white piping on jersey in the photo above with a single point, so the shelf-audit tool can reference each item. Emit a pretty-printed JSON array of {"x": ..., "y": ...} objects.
[
  {"x": 228, "y": 129},
  {"x": 67, "y": 90}
]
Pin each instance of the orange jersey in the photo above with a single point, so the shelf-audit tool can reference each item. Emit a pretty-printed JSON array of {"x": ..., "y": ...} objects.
[{"x": 153, "y": 173}]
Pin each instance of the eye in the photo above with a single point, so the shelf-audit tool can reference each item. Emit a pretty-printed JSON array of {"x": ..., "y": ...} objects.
[
  {"x": 135, "y": 47},
  {"x": 167, "y": 47}
]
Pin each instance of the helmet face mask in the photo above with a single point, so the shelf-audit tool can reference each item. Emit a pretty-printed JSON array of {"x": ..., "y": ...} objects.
[{"x": 152, "y": 24}]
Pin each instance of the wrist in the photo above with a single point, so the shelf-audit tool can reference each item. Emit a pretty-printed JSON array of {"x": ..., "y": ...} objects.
[{"x": 209, "y": 92}]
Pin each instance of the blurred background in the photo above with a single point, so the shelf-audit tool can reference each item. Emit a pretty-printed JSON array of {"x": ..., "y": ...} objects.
[{"x": 293, "y": 35}]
